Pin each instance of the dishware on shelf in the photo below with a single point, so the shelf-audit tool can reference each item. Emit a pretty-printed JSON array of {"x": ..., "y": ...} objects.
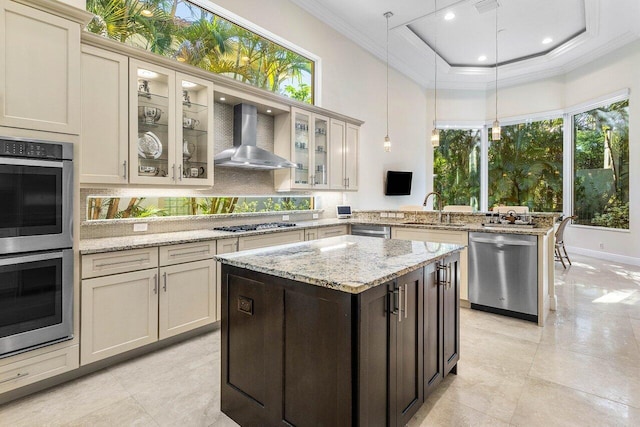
[
  {"x": 190, "y": 122},
  {"x": 149, "y": 146},
  {"x": 186, "y": 99},
  {"x": 147, "y": 170},
  {"x": 144, "y": 89},
  {"x": 149, "y": 115},
  {"x": 188, "y": 149}
]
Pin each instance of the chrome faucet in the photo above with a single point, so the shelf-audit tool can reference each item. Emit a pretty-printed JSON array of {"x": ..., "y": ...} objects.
[{"x": 435, "y": 193}]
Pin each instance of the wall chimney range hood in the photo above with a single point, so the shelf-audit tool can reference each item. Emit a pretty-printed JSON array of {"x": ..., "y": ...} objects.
[{"x": 245, "y": 154}]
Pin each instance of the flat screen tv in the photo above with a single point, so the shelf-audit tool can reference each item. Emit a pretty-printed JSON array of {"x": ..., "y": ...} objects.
[{"x": 398, "y": 183}]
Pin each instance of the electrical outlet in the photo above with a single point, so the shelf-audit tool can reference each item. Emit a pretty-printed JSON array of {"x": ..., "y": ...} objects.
[
  {"x": 400, "y": 215},
  {"x": 316, "y": 216},
  {"x": 285, "y": 217},
  {"x": 141, "y": 227},
  {"x": 383, "y": 215},
  {"x": 392, "y": 215},
  {"x": 601, "y": 245}
]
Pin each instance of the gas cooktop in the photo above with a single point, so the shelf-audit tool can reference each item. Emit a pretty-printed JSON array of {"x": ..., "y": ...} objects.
[{"x": 254, "y": 227}]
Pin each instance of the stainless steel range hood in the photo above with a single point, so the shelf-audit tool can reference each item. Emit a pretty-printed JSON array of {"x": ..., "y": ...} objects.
[{"x": 245, "y": 154}]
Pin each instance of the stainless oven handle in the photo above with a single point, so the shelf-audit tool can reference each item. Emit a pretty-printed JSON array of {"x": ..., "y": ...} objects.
[
  {"x": 31, "y": 162},
  {"x": 19, "y": 375},
  {"x": 30, "y": 258}
]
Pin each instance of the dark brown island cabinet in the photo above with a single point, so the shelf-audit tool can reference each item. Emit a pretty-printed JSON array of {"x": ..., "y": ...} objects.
[{"x": 296, "y": 354}]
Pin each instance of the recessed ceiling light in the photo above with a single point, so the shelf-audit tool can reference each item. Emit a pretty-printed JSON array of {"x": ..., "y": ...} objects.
[
  {"x": 147, "y": 74},
  {"x": 482, "y": 58},
  {"x": 449, "y": 16},
  {"x": 547, "y": 40},
  {"x": 186, "y": 84},
  {"x": 268, "y": 111},
  {"x": 222, "y": 98}
]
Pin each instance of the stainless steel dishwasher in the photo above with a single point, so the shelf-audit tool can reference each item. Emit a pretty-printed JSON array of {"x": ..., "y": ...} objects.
[
  {"x": 503, "y": 274},
  {"x": 371, "y": 230}
]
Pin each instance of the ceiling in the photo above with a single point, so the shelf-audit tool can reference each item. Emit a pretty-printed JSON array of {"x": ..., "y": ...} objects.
[{"x": 579, "y": 32}]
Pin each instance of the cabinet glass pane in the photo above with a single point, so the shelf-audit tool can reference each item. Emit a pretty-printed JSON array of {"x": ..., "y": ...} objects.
[
  {"x": 195, "y": 116},
  {"x": 301, "y": 148},
  {"x": 153, "y": 123},
  {"x": 321, "y": 151}
]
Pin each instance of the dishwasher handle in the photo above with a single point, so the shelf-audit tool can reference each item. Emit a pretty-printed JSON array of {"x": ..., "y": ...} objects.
[{"x": 502, "y": 242}]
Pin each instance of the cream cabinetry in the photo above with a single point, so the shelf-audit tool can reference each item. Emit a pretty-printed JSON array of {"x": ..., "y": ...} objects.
[
  {"x": 171, "y": 127},
  {"x": 40, "y": 72},
  {"x": 309, "y": 150},
  {"x": 34, "y": 369},
  {"x": 104, "y": 149},
  {"x": 324, "y": 232},
  {"x": 223, "y": 246},
  {"x": 345, "y": 139},
  {"x": 273, "y": 239},
  {"x": 133, "y": 298},
  {"x": 441, "y": 236}
]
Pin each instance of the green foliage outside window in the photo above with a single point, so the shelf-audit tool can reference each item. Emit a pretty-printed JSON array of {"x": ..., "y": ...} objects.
[
  {"x": 456, "y": 167},
  {"x": 601, "y": 162},
  {"x": 525, "y": 166},
  {"x": 187, "y": 33}
]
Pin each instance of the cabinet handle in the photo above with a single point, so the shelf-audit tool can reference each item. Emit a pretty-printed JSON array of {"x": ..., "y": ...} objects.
[
  {"x": 173, "y": 171},
  {"x": 396, "y": 302},
  {"x": 449, "y": 275},
  {"x": 18, "y": 375},
  {"x": 400, "y": 304},
  {"x": 442, "y": 273},
  {"x": 155, "y": 283},
  {"x": 124, "y": 167},
  {"x": 180, "y": 172},
  {"x": 109, "y": 264},
  {"x": 165, "y": 281},
  {"x": 348, "y": 183},
  {"x": 405, "y": 300},
  {"x": 204, "y": 251}
]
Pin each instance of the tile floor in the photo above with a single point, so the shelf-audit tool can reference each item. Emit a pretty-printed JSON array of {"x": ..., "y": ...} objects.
[{"x": 582, "y": 369}]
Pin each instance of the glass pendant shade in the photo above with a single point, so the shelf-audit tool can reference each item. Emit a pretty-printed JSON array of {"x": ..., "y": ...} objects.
[
  {"x": 387, "y": 143},
  {"x": 435, "y": 137},
  {"x": 496, "y": 131}
]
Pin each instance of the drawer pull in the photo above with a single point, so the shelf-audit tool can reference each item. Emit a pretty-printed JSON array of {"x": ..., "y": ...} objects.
[
  {"x": 110, "y": 264},
  {"x": 204, "y": 251},
  {"x": 18, "y": 375},
  {"x": 165, "y": 281}
]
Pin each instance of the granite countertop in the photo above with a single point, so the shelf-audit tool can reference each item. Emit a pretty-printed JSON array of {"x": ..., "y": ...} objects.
[{"x": 348, "y": 263}]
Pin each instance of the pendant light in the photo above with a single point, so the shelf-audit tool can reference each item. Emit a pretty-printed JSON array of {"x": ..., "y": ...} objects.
[
  {"x": 435, "y": 133},
  {"x": 387, "y": 140},
  {"x": 495, "y": 128}
]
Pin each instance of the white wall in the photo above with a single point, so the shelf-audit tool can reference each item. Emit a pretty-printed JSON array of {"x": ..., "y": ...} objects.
[
  {"x": 618, "y": 70},
  {"x": 353, "y": 83}
]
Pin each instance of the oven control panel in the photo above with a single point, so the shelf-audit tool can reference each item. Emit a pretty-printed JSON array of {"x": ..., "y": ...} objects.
[{"x": 38, "y": 150}]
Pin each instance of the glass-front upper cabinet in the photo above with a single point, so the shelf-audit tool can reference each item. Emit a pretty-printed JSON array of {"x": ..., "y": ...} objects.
[
  {"x": 152, "y": 124},
  {"x": 195, "y": 116},
  {"x": 309, "y": 150},
  {"x": 171, "y": 127}
]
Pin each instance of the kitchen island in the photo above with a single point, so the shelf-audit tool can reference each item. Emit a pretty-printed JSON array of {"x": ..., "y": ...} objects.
[{"x": 341, "y": 331}]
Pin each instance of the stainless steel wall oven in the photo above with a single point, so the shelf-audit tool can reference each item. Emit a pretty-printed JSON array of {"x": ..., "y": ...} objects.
[{"x": 36, "y": 256}]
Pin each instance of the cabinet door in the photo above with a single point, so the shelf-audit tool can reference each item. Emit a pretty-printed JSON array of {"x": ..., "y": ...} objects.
[
  {"x": 409, "y": 346},
  {"x": 104, "y": 149},
  {"x": 338, "y": 131},
  {"x": 223, "y": 246},
  {"x": 152, "y": 134},
  {"x": 339, "y": 230},
  {"x": 378, "y": 312},
  {"x": 40, "y": 72},
  {"x": 194, "y": 131},
  {"x": 352, "y": 141},
  {"x": 433, "y": 367},
  {"x": 119, "y": 313},
  {"x": 451, "y": 312},
  {"x": 310, "y": 234},
  {"x": 301, "y": 151},
  {"x": 320, "y": 170},
  {"x": 187, "y": 297}
]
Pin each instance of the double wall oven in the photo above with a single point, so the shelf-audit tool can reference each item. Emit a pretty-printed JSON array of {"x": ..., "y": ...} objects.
[{"x": 36, "y": 255}]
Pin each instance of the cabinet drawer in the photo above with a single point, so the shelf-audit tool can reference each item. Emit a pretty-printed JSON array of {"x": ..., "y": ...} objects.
[
  {"x": 95, "y": 265},
  {"x": 224, "y": 246},
  {"x": 177, "y": 254},
  {"x": 338, "y": 230},
  {"x": 265, "y": 240},
  {"x": 38, "y": 368}
]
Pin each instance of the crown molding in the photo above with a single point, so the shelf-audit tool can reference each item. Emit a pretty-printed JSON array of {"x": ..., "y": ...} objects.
[{"x": 60, "y": 9}]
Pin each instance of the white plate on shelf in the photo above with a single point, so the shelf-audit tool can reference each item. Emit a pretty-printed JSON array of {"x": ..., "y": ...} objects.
[{"x": 149, "y": 146}]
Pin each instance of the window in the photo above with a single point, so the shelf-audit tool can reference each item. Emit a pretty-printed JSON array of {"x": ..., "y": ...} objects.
[
  {"x": 456, "y": 167},
  {"x": 601, "y": 166},
  {"x": 525, "y": 166},
  {"x": 188, "y": 33}
]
